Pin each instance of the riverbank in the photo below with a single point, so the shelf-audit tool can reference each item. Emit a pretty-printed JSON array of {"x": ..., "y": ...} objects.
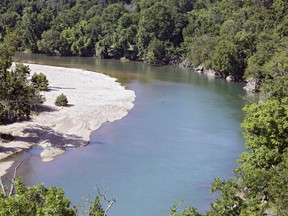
[{"x": 93, "y": 99}]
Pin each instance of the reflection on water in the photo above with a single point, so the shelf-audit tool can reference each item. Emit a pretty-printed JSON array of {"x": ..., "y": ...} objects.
[{"x": 182, "y": 133}]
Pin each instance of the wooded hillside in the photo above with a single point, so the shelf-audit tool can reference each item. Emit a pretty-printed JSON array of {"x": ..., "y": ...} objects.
[{"x": 234, "y": 37}]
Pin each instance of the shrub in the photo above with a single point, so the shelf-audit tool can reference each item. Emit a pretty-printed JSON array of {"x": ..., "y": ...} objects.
[
  {"x": 40, "y": 81},
  {"x": 61, "y": 100}
]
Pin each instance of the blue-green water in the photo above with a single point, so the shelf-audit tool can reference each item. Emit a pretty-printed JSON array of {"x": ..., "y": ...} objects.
[{"x": 182, "y": 133}]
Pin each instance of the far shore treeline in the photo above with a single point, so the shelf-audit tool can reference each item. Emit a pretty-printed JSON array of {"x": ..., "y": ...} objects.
[{"x": 233, "y": 37}]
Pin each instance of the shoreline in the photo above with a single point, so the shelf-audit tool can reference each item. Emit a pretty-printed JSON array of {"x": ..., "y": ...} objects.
[{"x": 93, "y": 99}]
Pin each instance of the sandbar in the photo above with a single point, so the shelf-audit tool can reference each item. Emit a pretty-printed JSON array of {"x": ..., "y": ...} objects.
[{"x": 93, "y": 99}]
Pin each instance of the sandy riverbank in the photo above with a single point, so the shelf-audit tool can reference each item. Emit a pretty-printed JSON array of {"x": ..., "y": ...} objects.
[{"x": 93, "y": 99}]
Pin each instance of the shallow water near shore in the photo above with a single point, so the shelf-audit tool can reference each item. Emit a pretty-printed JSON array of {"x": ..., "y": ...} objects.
[{"x": 183, "y": 132}]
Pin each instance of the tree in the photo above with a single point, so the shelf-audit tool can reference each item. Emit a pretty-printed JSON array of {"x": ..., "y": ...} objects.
[
  {"x": 33, "y": 24},
  {"x": 125, "y": 38},
  {"x": 266, "y": 131},
  {"x": 18, "y": 199},
  {"x": 96, "y": 208},
  {"x": 7, "y": 49},
  {"x": 189, "y": 211},
  {"x": 8, "y": 21},
  {"x": 17, "y": 96},
  {"x": 35, "y": 200},
  {"x": 50, "y": 42},
  {"x": 155, "y": 53},
  {"x": 40, "y": 81},
  {"x": 275, "y": 84},
  {"x": 223, "y": 59},
  {"x": 82, "y": 42},
  {"x": 266, "y": 46},
  {"x": 107, "y": 47},
  {"x": 61, "y": 100},
  {"x": 156, "y": 22},
  {"x": 15, "y": 92}
]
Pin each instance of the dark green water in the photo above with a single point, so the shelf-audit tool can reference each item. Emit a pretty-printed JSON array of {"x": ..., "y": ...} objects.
[{"x": 182, "y": 133}]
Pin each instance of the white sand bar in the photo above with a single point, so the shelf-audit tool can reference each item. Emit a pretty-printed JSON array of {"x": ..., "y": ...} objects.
[{"x": 93, "y": 99}]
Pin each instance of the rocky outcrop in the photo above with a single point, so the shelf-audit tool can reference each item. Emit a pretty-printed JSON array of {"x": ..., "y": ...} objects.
[
  {"x": 199, "y": 69},
  {"x": 208, "y": 72},
  {"x": 230, "y": 78},
  {"x": 252, "y": 85},
  {"x": 185, "y": 64},
  {"x": 212, "y": 73}
]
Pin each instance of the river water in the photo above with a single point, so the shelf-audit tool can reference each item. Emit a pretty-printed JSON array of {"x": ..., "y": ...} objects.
[{"x": 183, "y": 132}]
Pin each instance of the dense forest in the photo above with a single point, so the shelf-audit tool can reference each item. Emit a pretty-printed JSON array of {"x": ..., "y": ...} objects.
[
  {"x": 233, "y": 37},
  {"x": 240, "y": 38}
]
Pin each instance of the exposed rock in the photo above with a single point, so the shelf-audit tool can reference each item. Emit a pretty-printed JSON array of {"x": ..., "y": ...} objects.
[
  {"x": 124, "y": 59},
  {"x": 185, "y": 64},
  {"x": 212, "y": 74},
  {"x": 230, "y": 78},
  {"x": 199, "y": 69},
  {"x": 252, "y": 85}
]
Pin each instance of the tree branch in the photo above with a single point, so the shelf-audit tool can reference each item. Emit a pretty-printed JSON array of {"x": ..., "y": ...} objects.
[
  {"x": 13, "y": 179},
  {"x": 109, "y": 202},
  {"x": 2, "y": 186}
]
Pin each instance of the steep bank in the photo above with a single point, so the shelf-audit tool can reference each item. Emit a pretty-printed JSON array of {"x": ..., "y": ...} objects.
[{"x": 93, "y": 99}]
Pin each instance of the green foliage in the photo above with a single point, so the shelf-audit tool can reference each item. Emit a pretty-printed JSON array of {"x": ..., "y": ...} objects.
[
  {"x": 156, "y": 22},
  {"x": 155, "y": 53},
  {"x": 61, "y": 100},
  {"x": 110, "y": 44},
  {"x": 275, "y": 84},
  {"x": 50, "y": 42},
  {"x": 189, "y": 211},
  {"x": 266, "y": 125},
  {"x": 96, "y": 208},
  {"x": 199, "y": 50},
  {"x": 246, "y": 33},
  {"x": 40, "y": 81},
  {"x": 7, "y": 50},
  {"x": 266, "y": 131},
  {"x": 36, "y": 200},
  {"x": 82, "y": 43},
  {"x": 22, "y": 200},
  {"x": 32, "y": 26},
  {"x": 8, "y": 20},
  {"x": 17, "y": 96},
  {"x": 223, "y": 59}
]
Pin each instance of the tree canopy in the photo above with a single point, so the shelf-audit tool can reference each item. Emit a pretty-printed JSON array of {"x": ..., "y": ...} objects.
[
  {"x": 38, "y": 200},
  {"x": 18, "y": 96},
  {"x": 235, "y": 37}
]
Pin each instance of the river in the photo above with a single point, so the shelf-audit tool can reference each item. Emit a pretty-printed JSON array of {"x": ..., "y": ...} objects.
[{"x": 183, "y": 132}]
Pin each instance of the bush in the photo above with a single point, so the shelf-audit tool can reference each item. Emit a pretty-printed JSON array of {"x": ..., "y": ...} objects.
[
  {"x": 61, "y": 100},
  {"x": 40, "y": 81}
]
